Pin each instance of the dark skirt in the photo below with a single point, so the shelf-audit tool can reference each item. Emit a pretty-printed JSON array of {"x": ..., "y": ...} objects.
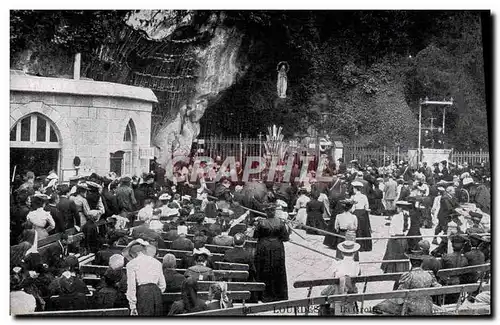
[
  {"x": 316, "y": 221},
  {"x": 396, "y": 249},
  {"x": 364, "y": 230},
  {"x": 271, "y": 269},
  {"x": 413, "y": 242},
  {"x": 149, "y": 300},
  {"x": 331, "y": 241},
  {"x": 376, "y": 206}
]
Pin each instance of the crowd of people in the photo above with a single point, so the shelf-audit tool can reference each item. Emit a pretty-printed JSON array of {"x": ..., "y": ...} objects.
[{"x": 141, "y": 213}]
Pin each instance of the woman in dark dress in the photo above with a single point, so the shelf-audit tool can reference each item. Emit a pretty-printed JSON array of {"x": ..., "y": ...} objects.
[
  {"x": 414, "y": 227},
  {"x": 315, "y": 210},
  {"x": 336, "y": 194},
  {"x": 270, "y": 256},
  {"x": 397, "y": 247},
  {"x": 376, "y": 199}
]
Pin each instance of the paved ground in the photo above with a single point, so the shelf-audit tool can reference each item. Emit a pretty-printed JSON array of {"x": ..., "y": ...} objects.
[{"x": 303, "y": 264}]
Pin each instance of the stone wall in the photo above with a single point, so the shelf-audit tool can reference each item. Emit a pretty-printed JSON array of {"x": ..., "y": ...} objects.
[{"x": 90, "y": 127}]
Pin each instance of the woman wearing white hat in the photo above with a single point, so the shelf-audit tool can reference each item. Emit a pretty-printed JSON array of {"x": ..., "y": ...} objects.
[
  {"x": 345, "y": 269},
  {"x": 361, "y": 210}
]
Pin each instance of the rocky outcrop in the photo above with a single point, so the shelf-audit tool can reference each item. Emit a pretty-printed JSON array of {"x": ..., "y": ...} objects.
[{"x": 217, "y": 69}]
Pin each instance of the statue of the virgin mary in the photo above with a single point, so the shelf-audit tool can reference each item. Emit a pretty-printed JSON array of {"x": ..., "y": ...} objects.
[{"x": 282, "y": 79}]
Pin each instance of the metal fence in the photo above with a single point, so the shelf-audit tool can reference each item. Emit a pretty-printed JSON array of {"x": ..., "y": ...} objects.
[
  {"x": 470, "y": 156},
  {"x": 365, "y": 155},
  {"x": 237, "y": 147},
  {"x": 240, "y": 148}
]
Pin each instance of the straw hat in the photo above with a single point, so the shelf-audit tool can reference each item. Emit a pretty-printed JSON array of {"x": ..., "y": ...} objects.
[
  {"x": 93, "y": 184},
  {"x": 357, "y": 184},
  {"x": 468, "y": 181},
  {"x": 416, "y": 255},
  {"x": 149, "y": 249},
  {"x": 164, "y": 197},
  {"x": 348, "y": 246},
  {"x": 83, "y": 185},
  {"x": 201, "y": 251},
  {"x": 281, "y": 203}
]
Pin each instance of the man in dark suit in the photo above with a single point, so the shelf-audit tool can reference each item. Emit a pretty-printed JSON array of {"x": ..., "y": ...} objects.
[
  {"x": 67, "y": 208},
  {"x": 454, "y": 260},
  {"x": 342, "y": 166},
  {"x": 474, "y": 257},
  {"x": 447, "y": 206},
  {"x": 182, "y": 243},
  {"x": 240, "y": 255},
  {"x": 173, "y": 279}
]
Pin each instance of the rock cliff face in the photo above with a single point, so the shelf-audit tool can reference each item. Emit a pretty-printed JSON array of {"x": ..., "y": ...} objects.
[{"x": 217, "y": 69}]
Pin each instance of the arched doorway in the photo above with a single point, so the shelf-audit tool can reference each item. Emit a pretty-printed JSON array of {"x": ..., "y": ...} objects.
[
  {"x": 34, "y": 145},
  {"x": 121, "y": 161}
]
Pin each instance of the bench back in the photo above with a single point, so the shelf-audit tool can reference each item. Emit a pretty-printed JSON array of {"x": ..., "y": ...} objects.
[
  {"x": 355, "y": 279},
  {"x": 219, "y": 274},
  {"x": 112, "y": 312},
  {"x": 445, "y": 273},
  {"x": 231, "y": 266},
  {"x": 321, "y": 300}
]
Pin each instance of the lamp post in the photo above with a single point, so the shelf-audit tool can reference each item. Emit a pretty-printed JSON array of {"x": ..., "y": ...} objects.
[{"x": 419, "y": 130}]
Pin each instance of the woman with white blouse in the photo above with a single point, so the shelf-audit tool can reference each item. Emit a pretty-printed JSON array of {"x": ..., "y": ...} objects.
[
  {"x": 343, "y": 222},
  {"x": 300, "y": 207},
  {"x": 145, "y": 281},
  {"x": 42, "y": 221},
  {"x": 361, "y": 210}
]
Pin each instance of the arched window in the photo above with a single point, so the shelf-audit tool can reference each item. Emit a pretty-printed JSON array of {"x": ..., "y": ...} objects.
[
  {"x": 129, "y": 132},
  {"x": 34, "y": 130}
]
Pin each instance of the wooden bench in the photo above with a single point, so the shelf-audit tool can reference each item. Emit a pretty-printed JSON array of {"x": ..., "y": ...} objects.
[
  {"x": 112, "y": 312},
  {"x": 45, "y": 244},
  {"x": 167, "y": 298},
  {"x": 321, "y": 300},
  {"x": 177, "y": 253},
  {"x": 355, "y": 279},
  {"x": 231, "y": 266},
  {"x": 219, "y": 274},
  {"x": 55, "y": 237},
  {"x": 446, "y": 273},
  {"x": 202, "y": 293}
]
